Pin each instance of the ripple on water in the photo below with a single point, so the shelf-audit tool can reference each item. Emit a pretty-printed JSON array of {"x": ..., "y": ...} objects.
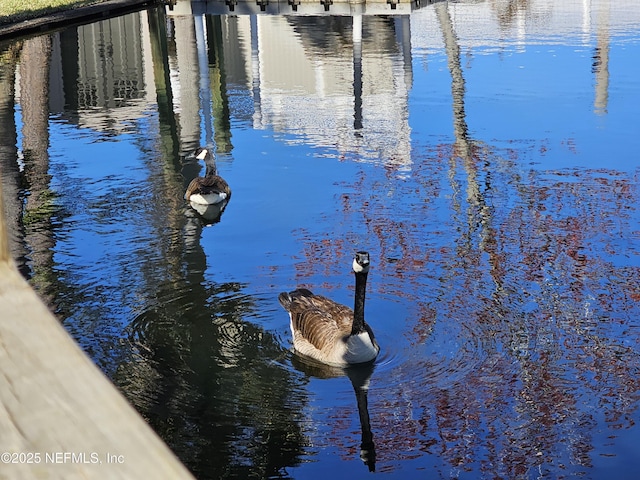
[{"x": 451, "y": 352}]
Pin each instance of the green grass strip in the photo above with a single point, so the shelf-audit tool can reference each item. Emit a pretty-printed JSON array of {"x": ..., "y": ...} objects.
[{"x": 18, "y": 10}]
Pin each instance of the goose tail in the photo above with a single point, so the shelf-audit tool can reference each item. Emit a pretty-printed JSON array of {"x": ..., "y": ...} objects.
[{"x": 286, "y": 299}]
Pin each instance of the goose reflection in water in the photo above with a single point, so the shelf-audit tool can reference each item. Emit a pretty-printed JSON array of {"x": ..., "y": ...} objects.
[
  {"x": 359, "y": 375},
  {"x": 208, "y": 214}
]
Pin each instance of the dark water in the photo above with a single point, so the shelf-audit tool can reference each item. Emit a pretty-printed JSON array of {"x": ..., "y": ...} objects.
[{"x": 484, "y": 153}]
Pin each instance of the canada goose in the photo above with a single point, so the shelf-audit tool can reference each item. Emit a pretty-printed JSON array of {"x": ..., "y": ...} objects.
[
  {"x": 210, "y": 189},
  {"x": 328, "y": 331}
]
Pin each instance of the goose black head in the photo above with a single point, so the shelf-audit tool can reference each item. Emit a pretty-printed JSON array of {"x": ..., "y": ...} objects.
[{"x": 361, "y": 262}]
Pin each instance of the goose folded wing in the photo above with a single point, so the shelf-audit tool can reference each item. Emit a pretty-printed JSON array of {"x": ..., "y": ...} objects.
[
  {"x": 323, "y": 322},
  {"x": 212, "y": 185}
]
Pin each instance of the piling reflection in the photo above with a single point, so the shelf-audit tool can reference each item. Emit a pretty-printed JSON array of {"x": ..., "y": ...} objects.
[
  {"x": 9, "y": 169},
  {"x": 601, "y": 60}
]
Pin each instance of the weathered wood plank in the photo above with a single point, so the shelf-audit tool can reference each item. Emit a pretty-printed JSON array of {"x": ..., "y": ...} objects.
[{"x": 60, "y": 417}]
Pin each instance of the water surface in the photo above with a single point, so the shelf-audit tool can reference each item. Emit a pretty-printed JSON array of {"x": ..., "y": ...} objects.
[{"x": 482, "y": 152}]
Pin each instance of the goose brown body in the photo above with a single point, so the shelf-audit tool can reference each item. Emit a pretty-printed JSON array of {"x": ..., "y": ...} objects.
[{"x": 210, "y": 189}]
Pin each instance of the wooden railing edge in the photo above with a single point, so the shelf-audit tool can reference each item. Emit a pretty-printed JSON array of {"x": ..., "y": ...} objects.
[{"x": 60, "y": 416}]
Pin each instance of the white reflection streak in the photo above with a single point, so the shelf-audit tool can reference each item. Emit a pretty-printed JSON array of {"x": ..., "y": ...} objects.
[
  {"x": 255, "y": 74},
  {"x": 586, "y": 20},
  {"x": 357, "y": 70},
  {"x": 319, "y": 76},
  {"x": 147, "y": 63},
  {"x": 601, "y": 59},
  {"x": 205, "y": 90},
  {"x": 521, "y": 25}
]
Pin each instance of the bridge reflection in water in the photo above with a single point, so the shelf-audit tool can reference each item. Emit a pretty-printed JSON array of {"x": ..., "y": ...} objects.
[{"x": 278, "y": 63}]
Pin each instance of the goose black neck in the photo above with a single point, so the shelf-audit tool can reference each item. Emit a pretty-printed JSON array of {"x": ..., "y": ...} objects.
[
  {"x": 358, "y": 309},
  {"x": 211, "y": 169},
  {"x": 367, "y": 446}
]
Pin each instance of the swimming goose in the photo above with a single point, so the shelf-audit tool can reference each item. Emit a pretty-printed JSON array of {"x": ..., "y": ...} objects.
[
  {"x": 328, "y": 331},
  {"x": 210, "y": 189}
]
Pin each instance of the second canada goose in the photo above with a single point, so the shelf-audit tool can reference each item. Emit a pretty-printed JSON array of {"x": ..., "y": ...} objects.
[
  {"x": 328, "y": 331},
  {"x": 210, "y": 189}
]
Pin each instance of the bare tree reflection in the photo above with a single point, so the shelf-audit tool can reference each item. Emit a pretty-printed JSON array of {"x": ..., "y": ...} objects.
[
  {"x": 39, "y": 207},
  {"x": 535, "y": 275}
]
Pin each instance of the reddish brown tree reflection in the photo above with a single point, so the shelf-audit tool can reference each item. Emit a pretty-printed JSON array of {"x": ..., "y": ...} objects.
[
  {"x": 530, "y": 270},
  {"x": 538, "y": 284}
]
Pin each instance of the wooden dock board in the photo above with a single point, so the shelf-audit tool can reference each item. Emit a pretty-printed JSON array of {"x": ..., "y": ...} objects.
[{"x": 60, "y": 417}]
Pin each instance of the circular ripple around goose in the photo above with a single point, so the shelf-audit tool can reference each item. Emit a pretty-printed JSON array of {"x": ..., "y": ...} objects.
[{"x": 451, "y": 352}]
